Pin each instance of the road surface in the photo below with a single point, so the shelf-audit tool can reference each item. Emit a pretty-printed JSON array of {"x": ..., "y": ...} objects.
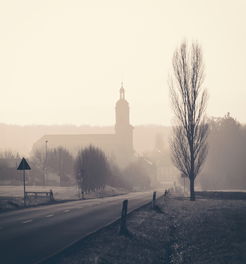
[{"x": 32, "y": 234}]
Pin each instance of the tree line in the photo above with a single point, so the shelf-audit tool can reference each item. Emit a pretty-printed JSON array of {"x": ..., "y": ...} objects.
[
  {"x": 225, "y": 165},
  {"x": 94, "y": 170},
  {"x": 91, "y": 170},
  {"x": 192, "y": 133}
]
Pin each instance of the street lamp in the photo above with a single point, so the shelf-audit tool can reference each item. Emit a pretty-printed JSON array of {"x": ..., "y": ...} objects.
[{"x": 45, "y": 162}]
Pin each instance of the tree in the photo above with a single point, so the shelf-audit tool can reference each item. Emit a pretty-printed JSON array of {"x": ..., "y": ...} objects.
[
  {"x": 116, "y": 177},
  {"x": 8, "y": 164},
  {"x": 91, "y": 169},
  {"x": 136, "y": 174},
  {"x": 37, "y": 165},
  {"x": 227, "y": 151},
  {"x": 61, "y": 162},
  {"x": 188, "y": 144}
]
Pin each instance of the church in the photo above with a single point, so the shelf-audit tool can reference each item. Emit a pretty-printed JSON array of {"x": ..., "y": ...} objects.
[{"x": 117, "y": 146}]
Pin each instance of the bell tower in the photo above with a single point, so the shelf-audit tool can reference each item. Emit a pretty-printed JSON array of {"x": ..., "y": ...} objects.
[
  {"x": 123, "y": 128},
  {"x": 121, "y": 112}
]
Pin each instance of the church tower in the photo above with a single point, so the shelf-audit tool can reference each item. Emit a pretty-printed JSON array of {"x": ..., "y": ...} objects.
[{"x": 123, "y": 129}]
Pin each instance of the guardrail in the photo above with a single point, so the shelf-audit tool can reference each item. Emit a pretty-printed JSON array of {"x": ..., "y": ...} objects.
[{"x": 36, "y": 195}]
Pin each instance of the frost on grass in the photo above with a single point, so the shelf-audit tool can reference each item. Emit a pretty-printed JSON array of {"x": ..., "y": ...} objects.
[
  {"x": 209, "y": 231},
  {"x": 200, "y": 232}
]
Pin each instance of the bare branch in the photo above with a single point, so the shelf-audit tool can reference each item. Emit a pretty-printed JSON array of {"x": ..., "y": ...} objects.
[{"x": 189, "y": 99}]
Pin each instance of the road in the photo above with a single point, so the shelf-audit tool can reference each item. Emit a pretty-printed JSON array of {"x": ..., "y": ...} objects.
[{"x": 30, "y": 235}]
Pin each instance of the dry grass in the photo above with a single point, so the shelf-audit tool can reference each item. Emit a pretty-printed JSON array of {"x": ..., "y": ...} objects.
[
  {"x": 11, "y": 197},
  {"x": 204, "y": 231}
]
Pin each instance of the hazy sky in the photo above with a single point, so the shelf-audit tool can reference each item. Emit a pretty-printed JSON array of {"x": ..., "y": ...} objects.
[{"x": 63, "y": 61}]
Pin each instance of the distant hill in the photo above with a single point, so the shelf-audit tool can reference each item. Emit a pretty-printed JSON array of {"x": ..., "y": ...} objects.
[{"x": 21, "y": 138}]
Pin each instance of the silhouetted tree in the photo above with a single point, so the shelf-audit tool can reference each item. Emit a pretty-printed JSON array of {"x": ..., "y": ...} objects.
[
  {"x": 37, "y": 165},
  {"x": 91, "y": 169},
  {"x": 61, "y": 162},
  {"x": 8, "y": 164},
  {"x": 188, "y": 144},
  {"x": 37, "y": 158}
]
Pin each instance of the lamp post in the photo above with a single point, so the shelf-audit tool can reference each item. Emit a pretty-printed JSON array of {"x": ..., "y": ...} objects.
[
  {"x": 45, "y": 163},
  {"x": 46, "y": 152}
]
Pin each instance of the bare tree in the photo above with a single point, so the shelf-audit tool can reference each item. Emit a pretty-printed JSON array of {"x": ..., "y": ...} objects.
[
  {"x": 91, "y": 169},
  {"x": 189, "y": 98}
]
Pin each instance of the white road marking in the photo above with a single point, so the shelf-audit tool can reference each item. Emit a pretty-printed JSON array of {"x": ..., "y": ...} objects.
[
  {"x": 27, "y": 221},
  {"x": 66, "y": 211},
  {"x": 49, "y": 215}
]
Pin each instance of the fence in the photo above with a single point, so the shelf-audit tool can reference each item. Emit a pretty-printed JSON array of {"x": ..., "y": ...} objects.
[{"x": 48, "y": 195}]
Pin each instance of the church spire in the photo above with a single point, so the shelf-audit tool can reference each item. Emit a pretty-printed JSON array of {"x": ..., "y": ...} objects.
[{"x": 122, "y": 92}]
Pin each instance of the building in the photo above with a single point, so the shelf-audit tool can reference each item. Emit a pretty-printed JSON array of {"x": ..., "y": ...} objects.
[{"x": 117, "y": 146}]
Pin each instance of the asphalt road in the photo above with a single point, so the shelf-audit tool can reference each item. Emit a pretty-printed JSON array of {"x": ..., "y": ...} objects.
[{"x": 30, "y": 235}]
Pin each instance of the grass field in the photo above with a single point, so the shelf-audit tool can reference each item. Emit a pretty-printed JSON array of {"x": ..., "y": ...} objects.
[
  {"x": 11, "y": 197},
  {"x": 59, "y": 192},
  {"x": 206, "y": 231}
]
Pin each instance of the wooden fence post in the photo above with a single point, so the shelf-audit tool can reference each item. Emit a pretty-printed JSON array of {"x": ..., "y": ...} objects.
[
  {"x": 51, "y": 196},
  {"x": 123, "y": 228},
  {"x": 153, "y": 200}
]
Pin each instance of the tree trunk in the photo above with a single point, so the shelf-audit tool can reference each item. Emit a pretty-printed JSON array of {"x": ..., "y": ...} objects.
[{"x": 192, "y": 189}]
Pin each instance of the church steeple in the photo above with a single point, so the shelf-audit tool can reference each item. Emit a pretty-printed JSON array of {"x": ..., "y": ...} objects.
[
  {"x": 122, "y": 110},
  {"x": 122, "y": 92},
  {"x": 123, "y": 128}
]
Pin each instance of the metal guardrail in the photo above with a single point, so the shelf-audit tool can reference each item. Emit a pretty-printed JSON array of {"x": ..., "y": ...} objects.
[{"x": 40, "y": 195}]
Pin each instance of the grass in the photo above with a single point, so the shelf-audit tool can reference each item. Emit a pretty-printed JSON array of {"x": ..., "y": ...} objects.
[
  {"x": 11, "y": 197},
  {"x": 206, "y": 231}
]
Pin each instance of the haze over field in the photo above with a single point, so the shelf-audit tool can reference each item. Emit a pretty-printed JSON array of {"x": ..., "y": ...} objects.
[
  {"x": 129, "y": 112},
  {"x": 62, "y": 61},
  {"x": 21, "y": 138}
]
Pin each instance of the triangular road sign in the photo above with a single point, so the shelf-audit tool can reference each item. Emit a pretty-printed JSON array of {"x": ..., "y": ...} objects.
[{"x": 23, "y": 165}]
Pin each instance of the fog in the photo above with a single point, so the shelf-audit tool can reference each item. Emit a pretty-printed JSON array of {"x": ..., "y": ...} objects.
[
  {"x": 122, "y": 131},
  {"x": 21, "y": 138},
  {"x": 224, "y": 168},
  {"x": 62, "y": 62}
]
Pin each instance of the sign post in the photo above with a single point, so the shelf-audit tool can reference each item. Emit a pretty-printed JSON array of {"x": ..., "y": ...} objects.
[{"x": 24, "y": 166}]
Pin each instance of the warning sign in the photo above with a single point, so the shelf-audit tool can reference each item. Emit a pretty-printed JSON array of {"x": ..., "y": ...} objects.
[{"x": 23, "y": 165}]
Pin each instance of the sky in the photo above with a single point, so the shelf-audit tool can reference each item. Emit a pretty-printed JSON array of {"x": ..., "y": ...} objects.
[{"x": 62, "y": 62}]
